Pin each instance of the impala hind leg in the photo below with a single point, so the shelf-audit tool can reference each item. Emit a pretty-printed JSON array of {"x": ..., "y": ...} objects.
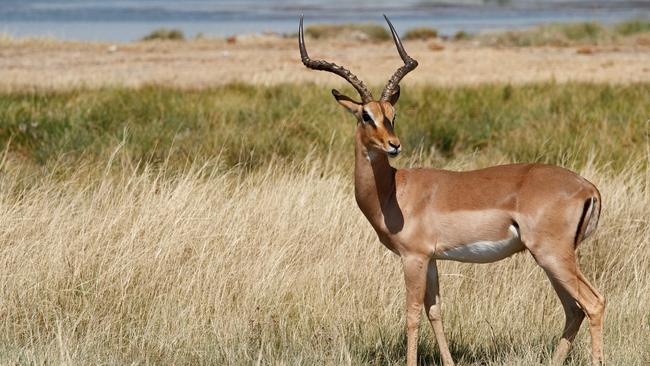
[
  {"x": 573, "y": 319},
  {"x": 576, "y": 294},
  {"x": 415, "y": 276},
  {"x": 596, "y": 319},
  {"x": 434, "y": 312}
]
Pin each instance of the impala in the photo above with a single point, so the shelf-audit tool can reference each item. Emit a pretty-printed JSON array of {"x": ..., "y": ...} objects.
[{"x": 481, "y": 216}]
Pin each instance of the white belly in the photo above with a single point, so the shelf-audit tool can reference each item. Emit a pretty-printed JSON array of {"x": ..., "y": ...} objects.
[{"x": 484, "y": 251}]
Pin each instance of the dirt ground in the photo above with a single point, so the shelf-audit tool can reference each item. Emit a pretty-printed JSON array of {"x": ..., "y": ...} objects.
[{"x": 51, "y": 64}]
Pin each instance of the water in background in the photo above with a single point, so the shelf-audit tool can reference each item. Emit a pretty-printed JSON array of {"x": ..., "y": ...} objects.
[{"x": 127, "y": 20}]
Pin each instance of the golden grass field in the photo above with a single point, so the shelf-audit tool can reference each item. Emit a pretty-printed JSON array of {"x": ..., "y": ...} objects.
[
  {"x": 278, "y": 267},
  {"x": 113, "y": 252}
]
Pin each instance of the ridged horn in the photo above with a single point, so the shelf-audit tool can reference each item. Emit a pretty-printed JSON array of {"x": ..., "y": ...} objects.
[
  {"x": 409, "y": 65},
  {"x": 331, "y": 67}
]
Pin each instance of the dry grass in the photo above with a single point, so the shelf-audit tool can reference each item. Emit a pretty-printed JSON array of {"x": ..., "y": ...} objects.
[{"x": 121, "y": 265}]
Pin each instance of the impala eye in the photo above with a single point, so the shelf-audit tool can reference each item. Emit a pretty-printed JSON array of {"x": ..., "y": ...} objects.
[{"x": 366, "y": 118}]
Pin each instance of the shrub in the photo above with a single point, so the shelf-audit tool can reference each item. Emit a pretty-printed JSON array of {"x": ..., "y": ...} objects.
[
  {"x": 364, "y": 31},
  {"x": 587, "y": 31},
  {"x": 462, "y": 36},
  {"x": 557, "y": 34},
  {"x": 632, "y": 27},
  {"x": 422, "y": 33},
  {"x": 165, "y": 34}
]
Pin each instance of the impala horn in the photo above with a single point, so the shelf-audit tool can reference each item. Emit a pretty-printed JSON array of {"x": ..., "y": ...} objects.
[
  {"x": 409, "y": 65},
  {"x": 366, "y": 97}
]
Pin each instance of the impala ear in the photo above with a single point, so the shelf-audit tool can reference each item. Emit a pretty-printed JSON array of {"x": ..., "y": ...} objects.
[
  {"x": 394, "y": 97},
  {"x": 347, "y": 102}
]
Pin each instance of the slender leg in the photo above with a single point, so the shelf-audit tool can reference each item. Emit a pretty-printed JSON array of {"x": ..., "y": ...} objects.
[
  {"x": 574, "y": 290},
  {"x": 596, "y": 315},
  {"x": 574, "y": 317},
  {"x": 434, "y": 312},
  {"x": 415, "y": 274}
]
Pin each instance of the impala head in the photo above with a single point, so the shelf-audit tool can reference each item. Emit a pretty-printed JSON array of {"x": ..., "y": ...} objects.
[{"x": 375, "y": 118}]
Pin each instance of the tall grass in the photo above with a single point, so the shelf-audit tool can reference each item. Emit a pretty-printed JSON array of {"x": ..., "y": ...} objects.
[
  {"x": 252, "y": 125},
  {"x": 209, "y": 266},
  {"x": 223, "y": 228}
]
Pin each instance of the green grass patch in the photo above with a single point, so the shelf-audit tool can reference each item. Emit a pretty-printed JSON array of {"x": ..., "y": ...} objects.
[
  {"x": 462, "y": 36},
  {"x": 250, "y": 125},
  {"x": 365, "y": 31},
  {"x": 586, "y": 31},
  {"x": 421, "y": 33},
  {"x": 567, "y": 34},
  {"x": 165, "y": 34},
  {"x": 633, "y": 26},
  {"x": 558, "y": 34}
]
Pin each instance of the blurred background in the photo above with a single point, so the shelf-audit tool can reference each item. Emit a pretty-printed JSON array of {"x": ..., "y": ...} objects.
[{"x": 128, "y": 20}]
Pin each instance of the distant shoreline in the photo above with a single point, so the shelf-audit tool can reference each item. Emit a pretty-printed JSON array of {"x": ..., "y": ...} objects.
[
  {"x": 147, "y": 28},
  {"x": 130, "y": 20}
]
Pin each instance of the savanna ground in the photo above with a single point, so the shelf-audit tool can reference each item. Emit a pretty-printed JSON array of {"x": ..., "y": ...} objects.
[
  {"x": 208, "y": 221},
  {"x": 580, "y": 53}
]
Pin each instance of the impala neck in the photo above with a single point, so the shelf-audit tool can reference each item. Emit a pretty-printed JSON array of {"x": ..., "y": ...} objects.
[{"x": 374, "y": 182}]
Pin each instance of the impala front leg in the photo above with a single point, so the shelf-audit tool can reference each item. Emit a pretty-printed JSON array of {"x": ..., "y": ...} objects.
[
  {"x": 415, "y": 276},
  {"x": 434, "y": 312}
]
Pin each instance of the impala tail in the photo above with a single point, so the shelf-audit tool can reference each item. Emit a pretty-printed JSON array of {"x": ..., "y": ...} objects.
[{"x": 589, "y": 219}]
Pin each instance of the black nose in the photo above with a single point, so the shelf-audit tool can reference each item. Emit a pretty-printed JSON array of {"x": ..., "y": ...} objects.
[{"x": 396, "y": 146}]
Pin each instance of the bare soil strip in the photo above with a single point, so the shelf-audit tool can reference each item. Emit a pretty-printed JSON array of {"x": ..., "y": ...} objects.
[{"x": 28, "y": 64}]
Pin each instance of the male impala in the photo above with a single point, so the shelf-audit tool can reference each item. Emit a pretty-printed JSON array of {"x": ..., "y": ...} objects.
[{"x": 479, "y": 216}]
